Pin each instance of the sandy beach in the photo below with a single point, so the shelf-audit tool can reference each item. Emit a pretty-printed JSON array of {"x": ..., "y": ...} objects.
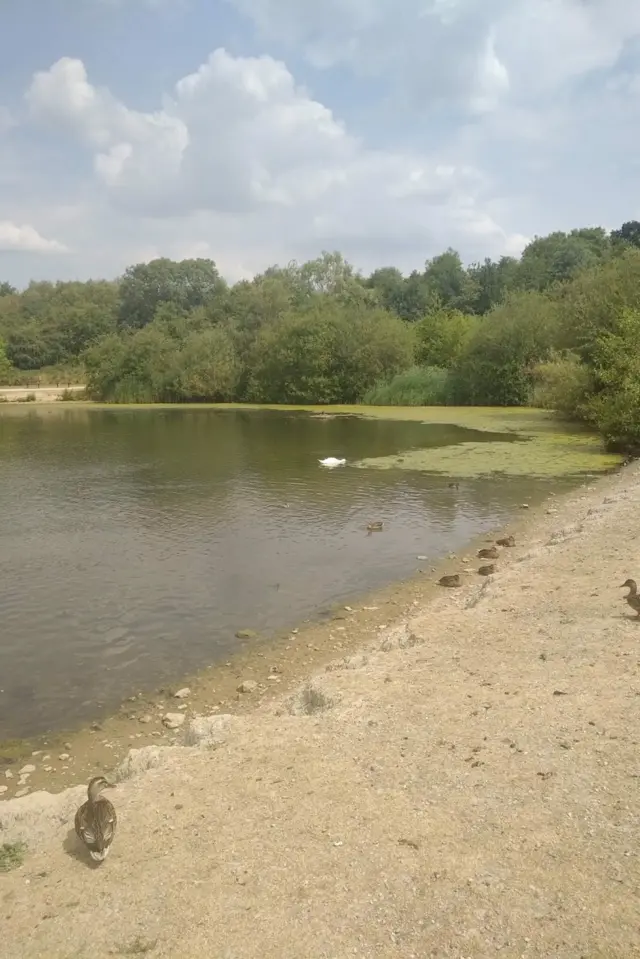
[{"x": 464, "y": 785}]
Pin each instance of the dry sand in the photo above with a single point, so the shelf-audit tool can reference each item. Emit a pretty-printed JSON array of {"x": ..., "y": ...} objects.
[{"x": 466, "y": 786}]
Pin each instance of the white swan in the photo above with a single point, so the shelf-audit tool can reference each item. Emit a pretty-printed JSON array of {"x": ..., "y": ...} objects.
[{"x": 332, "y": 461}]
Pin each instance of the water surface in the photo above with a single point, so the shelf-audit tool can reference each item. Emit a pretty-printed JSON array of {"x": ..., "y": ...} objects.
[{"x": 135, "y": 543}]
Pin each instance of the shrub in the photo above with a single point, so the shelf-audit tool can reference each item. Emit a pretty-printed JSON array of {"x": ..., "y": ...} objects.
[
  {"x": 418, "y": 386},
  {"x": 615, "y": 408},
  {"x": 562, "y": 383}
]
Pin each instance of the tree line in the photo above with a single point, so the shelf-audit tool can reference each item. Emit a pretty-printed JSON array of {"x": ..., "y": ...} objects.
[{"x": 558, "y": 327}]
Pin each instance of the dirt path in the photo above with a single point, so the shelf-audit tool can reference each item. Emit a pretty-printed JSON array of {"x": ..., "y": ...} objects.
[{"x": 468, "y": 786}]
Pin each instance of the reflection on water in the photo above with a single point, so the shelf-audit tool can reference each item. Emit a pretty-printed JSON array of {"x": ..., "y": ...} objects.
[{"x": 135, "y": 543}]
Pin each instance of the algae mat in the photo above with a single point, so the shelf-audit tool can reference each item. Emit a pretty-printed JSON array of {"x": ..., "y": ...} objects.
[{"x": 545, "y": 447}]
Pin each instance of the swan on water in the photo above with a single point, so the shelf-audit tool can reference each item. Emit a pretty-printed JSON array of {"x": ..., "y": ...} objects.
[{"x": 332, "y": 461}]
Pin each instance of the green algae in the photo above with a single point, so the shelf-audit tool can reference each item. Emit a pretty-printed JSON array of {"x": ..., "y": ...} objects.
[{"x": 545, "y": 446}]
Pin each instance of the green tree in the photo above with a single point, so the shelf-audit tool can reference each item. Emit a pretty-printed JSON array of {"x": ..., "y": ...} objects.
[
  {"x": 448, "y": 282},
  {"x": 209, "y": 368},
  {"x": 328, "y": 354},
  {"x": 496, "y": 368},
  {"x": 615, "y": 409},
  {"x": 6, "y": 369},
  {"x": 491, "y": 281},
  {"x": 629, "y": 233},
  {"x": 142, "y": 368},
  {"x": 442, "y": 337},
  {"x": 186, "y": 284},
  {"x": 559, "y": 257},
  {"x": 6, "y": 289}
]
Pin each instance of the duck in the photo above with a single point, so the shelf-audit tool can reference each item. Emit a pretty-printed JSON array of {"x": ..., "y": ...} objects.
[
  {"x": 375, "y": 527},
  {"x": 454, "y": 485},
  {"x": 487, "y": 570},
  {"x": 490, "y": 553},
  {"x": 632, "y": 596},
  {"x": 96, "y": 820},
  {"x": 332, "y": 461},
  {"x": 452, "y": 579},
  {"x": 507, "y": 541}
]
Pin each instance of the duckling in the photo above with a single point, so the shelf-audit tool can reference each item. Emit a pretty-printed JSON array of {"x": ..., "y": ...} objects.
[
  {"x": 96, "y": 820},
  {"x": 375, "y": 527},
  {"x": 490, "y": 553},
  {"x": 487, "y": 570},
  {"x": 632, "y": 596},
  {"x": 507, "y": 541},
  {"x": 451, "y": 580}
]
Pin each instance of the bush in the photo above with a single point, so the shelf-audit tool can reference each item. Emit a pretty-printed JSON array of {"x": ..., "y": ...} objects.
[
  {"x": 418, "y": 386},
  {"x": 563, "y": 383},
  {"x": 615, "y": 409}
]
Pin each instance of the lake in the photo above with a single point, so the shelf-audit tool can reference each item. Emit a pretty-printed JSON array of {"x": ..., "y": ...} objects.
[{"x": 135, "y": 543}]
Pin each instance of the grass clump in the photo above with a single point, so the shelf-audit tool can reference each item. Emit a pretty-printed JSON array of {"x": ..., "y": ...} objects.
[{"x": 12, "y": 855}]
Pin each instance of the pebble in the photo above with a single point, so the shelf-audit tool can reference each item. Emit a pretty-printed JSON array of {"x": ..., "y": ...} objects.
[
  {"x": 173, "y": 720},
  {"x": 146, "y": 719},
  {"x": 63, "y": 757},
  {"x": 8, "y": 774},
  {"x": 26, "y": 770},
  {"x": 3, "y": 789},
  {"x": 48, "y": 769},
  {"x": 247, "y": 686},
  {"x": 246, "y": 634},
  {"x": 22, "y": 792},
  {"x": 182, "y": 693}
]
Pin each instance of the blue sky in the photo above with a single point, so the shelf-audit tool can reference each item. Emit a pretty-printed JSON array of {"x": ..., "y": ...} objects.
[{"x": 259, "y": 131}]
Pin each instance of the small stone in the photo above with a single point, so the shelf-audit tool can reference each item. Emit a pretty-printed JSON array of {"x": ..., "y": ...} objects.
[
  {"x": 173, "y": 720},
  {"x": 27, "y": 770},
  {"x": 182, "y": 693},
  {"x": 36, "y": 752},
  {"x": 246, "y": 634},
  {"x": 247, "y": 686},
  {"x": 22, "y": 792},
  {"x": 48, "y": 769},
  {"x": 524, "y": 506},
  {"x": 67, "y": 746},
  {"x": 63, "y": 757},
  {"x": 95, "y": 727},
  {"x": 146, "y": 719},
  {"x": 3, "y": 789},
  {"x": 8, "y": 774}
]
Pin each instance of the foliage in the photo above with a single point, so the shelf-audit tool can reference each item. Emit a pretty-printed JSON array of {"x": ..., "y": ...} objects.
[
  {"x": 187, "y": 284},
  {"x": 443, "y": 336},
  {"x": 615, "y": 407},
  {"x": 417, "y": 386},
  {"x": 496, "y": 367},
  {"x": 563, "y": 383},
  {"x": 327, "y": 355},
  {"x": 544, "y": 328}
]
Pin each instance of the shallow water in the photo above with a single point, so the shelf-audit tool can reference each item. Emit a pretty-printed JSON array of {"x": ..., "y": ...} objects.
[{"x": 135, "y": 543}]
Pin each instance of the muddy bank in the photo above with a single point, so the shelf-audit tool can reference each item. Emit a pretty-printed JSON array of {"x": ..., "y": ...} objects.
[{"x": 466, "y": 785}]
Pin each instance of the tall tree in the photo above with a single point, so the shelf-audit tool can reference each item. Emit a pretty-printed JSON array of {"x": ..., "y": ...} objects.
[{"x": 187, "y": 284}]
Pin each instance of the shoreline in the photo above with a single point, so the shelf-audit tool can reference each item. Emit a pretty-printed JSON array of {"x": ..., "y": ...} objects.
[
  {"x": 463, "y": 785},
  {"x": 277, "y": 663}
]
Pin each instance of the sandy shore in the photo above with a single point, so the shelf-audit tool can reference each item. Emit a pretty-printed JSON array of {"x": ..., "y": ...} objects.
[
  {"x": 465, "y": 786},
  {"x": 40, "y": 394}
]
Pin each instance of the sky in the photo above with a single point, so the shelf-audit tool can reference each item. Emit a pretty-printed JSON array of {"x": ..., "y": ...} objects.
[{"x": 254, "y": 132}]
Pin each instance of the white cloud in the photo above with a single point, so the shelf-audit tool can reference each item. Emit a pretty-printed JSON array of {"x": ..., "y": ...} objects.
[
  {"x": 26, "y": 239},
  {"x": 471, "y": 51},
  {"x": 465, "y": 123},
  {"x": 239, "y": 141}
]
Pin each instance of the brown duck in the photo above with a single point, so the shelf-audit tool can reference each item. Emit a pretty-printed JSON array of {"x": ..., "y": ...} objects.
[
  {"x": 487, "y": 570},
  {"x": 451, "y": 580},
  {"x": 507, "y": 541},
  {"x": 632, "y": 596},
  {"x": 96, "y": 820},
  {"x": 490, "y": 553}
]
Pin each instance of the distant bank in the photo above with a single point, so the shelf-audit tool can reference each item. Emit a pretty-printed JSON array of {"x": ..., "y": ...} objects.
[{"x": 42, "y": 394}]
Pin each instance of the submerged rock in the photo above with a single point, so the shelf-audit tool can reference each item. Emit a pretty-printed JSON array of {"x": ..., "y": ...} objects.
[{"x": 247, "y": 686}]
